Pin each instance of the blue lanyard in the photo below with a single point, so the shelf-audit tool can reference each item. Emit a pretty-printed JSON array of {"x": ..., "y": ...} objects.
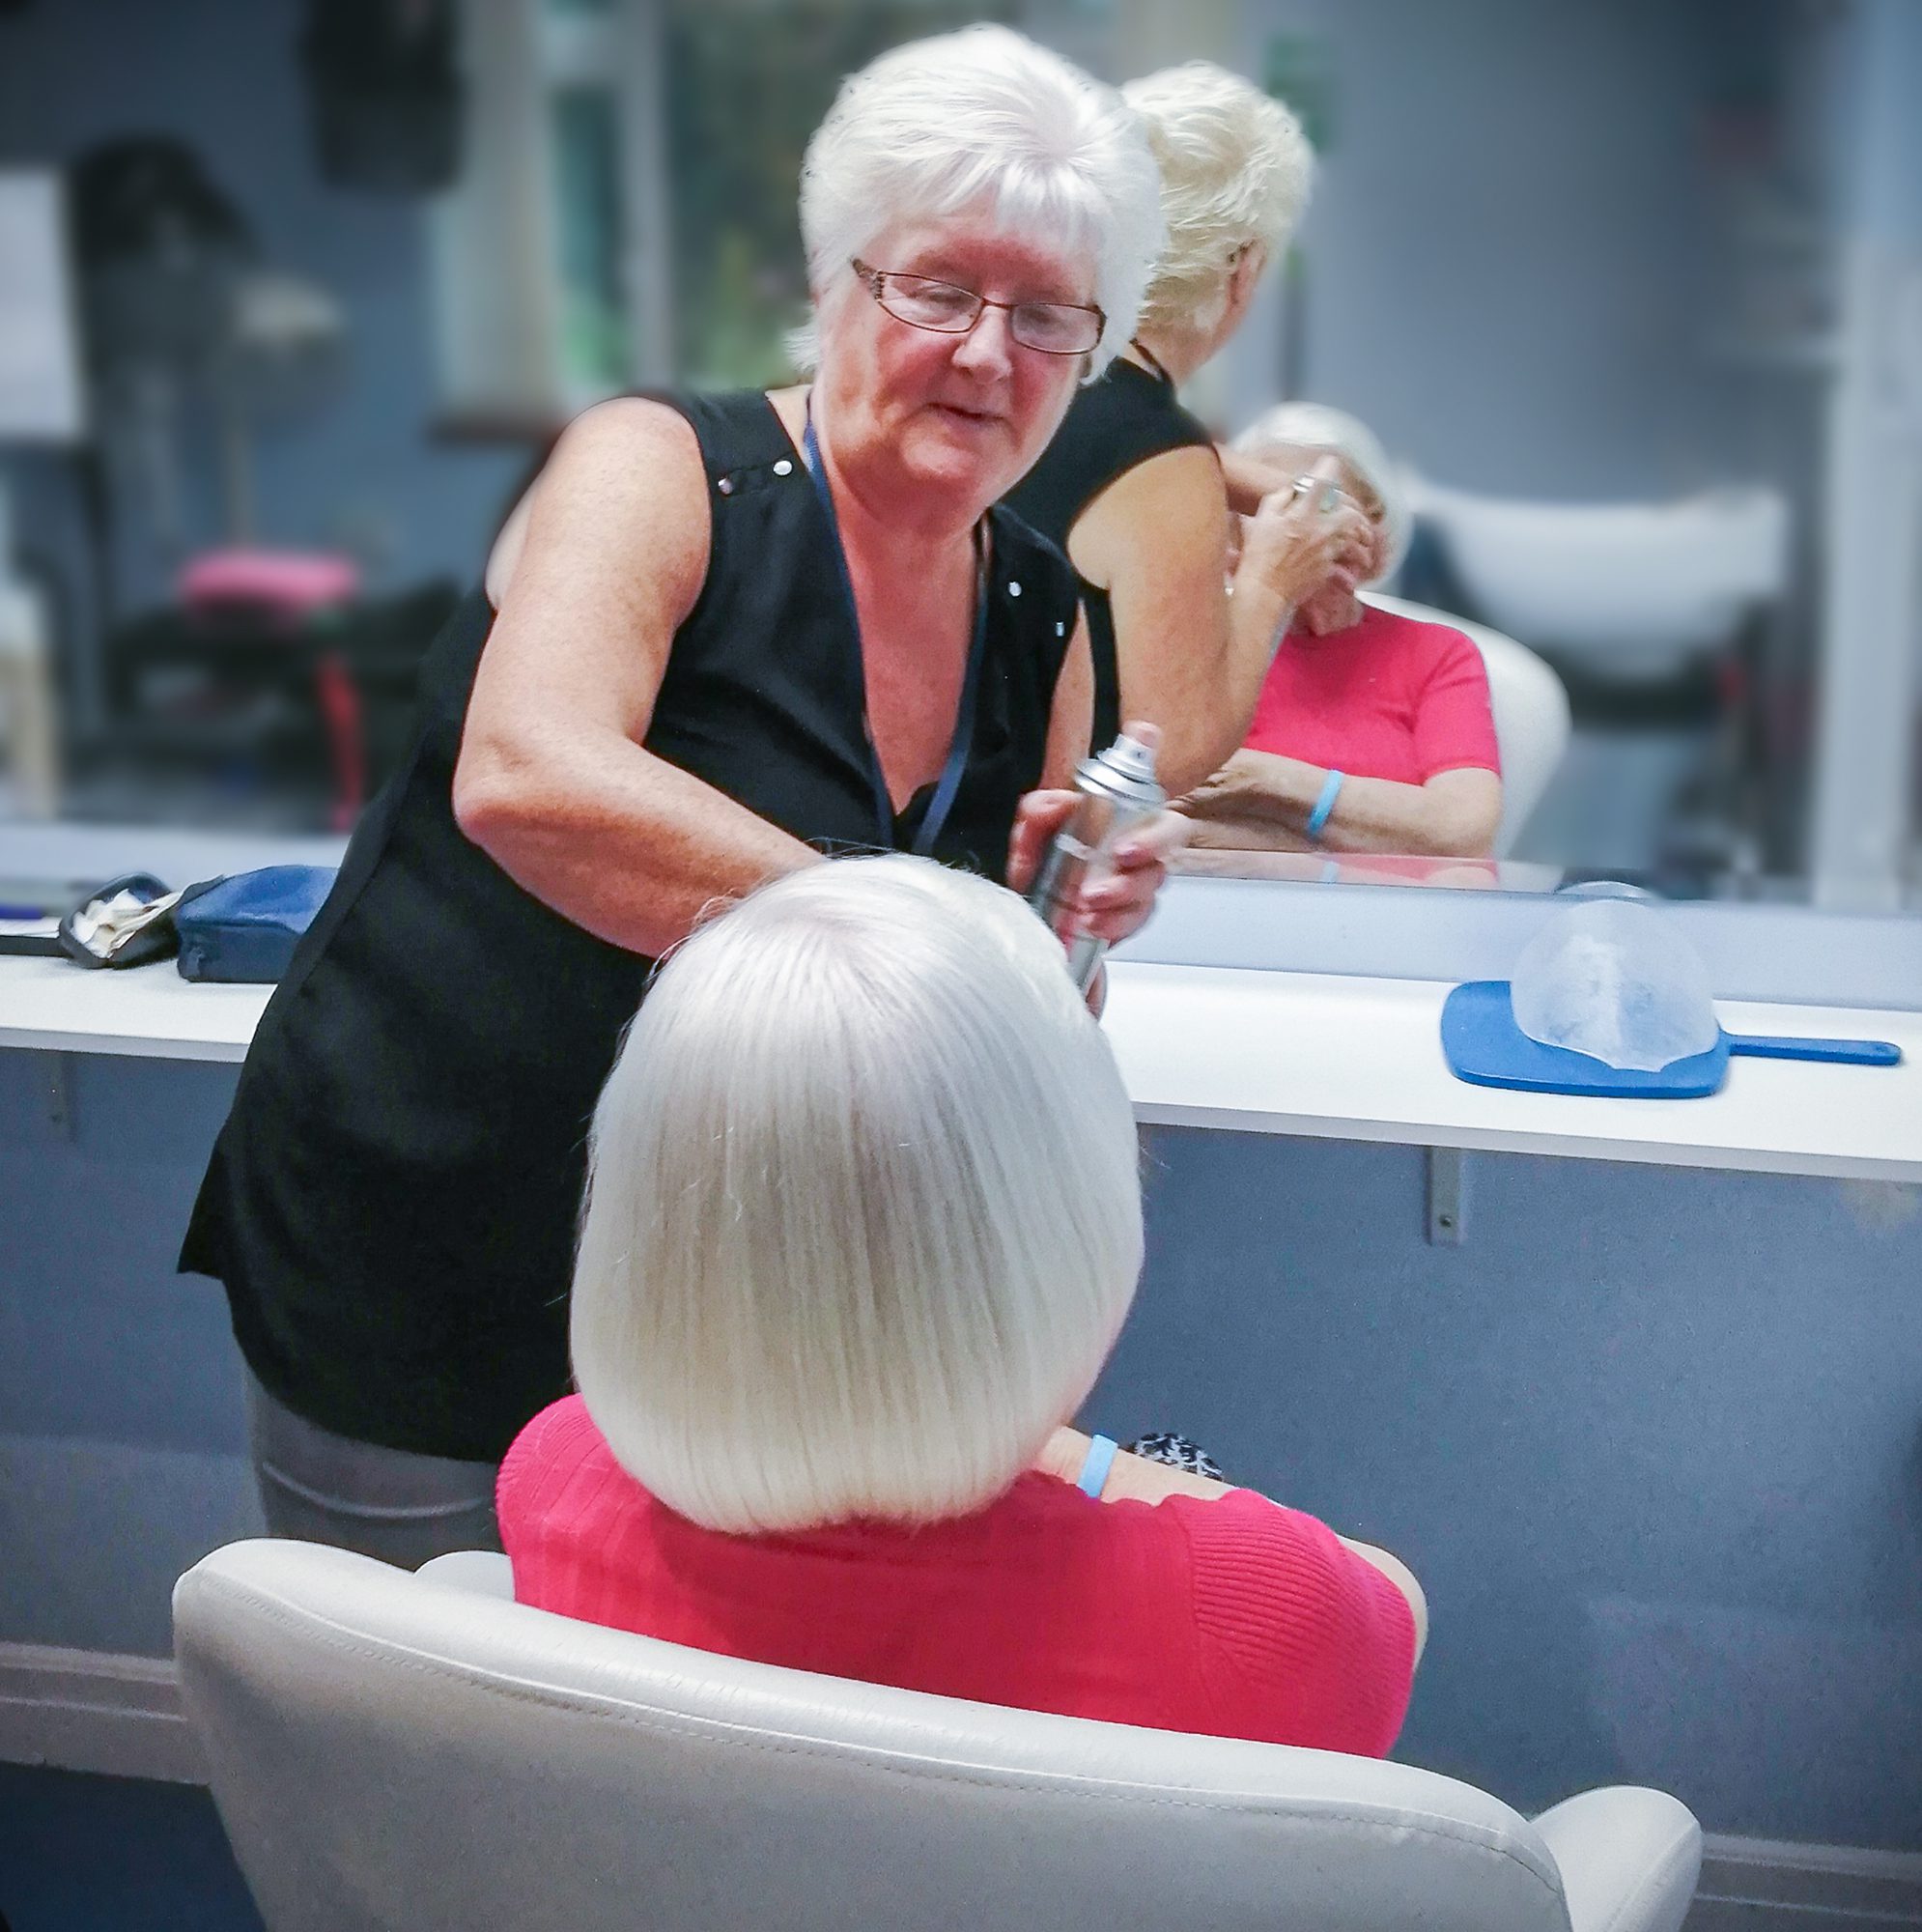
[{"x": 951, "y": 773}]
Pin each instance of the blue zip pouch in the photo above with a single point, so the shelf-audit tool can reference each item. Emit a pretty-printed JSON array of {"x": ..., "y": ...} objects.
[{"x": 243, "y": 928}]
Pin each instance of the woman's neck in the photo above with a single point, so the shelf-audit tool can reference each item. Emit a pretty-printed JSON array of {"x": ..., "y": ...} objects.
[
  {"x": 884, "y": 518},
  {"x": 897, "y": 541},
  {"x": 885, "y": 515},
  {"x": 1169, "y": 353},
  {"x": 1325, "y": 617}
]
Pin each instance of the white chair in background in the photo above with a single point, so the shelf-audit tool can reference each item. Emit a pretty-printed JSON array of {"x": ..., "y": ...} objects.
[
  {"x": 395, "y": 1751},
  {"x": 1531, "y": 711}
]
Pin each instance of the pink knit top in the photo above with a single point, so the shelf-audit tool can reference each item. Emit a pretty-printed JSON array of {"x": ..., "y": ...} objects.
[{"x": 1236, "y": 1618}]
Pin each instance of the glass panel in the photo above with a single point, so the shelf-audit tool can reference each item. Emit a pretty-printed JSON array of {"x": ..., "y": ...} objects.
[
  {"x": 589, "y": 226},
  {"x": 748, "y": 83}
]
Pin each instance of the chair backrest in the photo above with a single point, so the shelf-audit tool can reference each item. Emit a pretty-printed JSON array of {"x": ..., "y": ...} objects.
[
  {"x": 1531, "y": 710},
  {"x": 392, "y": 1751}
]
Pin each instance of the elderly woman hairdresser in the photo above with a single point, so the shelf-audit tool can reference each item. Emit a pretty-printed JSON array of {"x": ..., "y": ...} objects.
[
  {"x": 1374, "y": 732},
  {"x": 727, "y": 633},
  {"x": 864, "y": 1221},
  {"x": 1133, "y": 490}
]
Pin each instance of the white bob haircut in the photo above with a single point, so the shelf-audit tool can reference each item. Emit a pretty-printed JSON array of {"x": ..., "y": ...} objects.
[
  {"x": 1316, "y": 426},
  {"x": 983, "y": 117},
  {"x": 1235, "y": 170},
  {"x": 863, "y": 1210}
]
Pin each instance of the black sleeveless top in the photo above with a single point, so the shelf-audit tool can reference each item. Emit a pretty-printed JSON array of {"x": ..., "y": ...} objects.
[
  {"x": 392, "y": 1201},
  {"x": 1113, "y": 425}
]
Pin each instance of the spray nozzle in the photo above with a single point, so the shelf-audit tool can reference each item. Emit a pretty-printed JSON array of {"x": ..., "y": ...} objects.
[{"x": 1133, "y": 752}]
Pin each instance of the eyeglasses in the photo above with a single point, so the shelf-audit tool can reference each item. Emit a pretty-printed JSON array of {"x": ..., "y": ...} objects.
[{"x": 1054, "y": 328}]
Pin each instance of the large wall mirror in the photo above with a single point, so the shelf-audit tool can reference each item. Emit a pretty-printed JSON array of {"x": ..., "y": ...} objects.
[
  {"x": 1629, "y": 293},
  {"x": 1632, "y": 297}
]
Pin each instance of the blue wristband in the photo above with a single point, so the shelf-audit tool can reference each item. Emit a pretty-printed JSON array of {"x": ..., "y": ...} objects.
[
  {"x": 1331, "y": 790},
  {"x": 1093, "y": 1477}
]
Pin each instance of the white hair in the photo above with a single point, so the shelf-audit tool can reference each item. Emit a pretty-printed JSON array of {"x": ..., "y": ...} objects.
[
  {"x": 1316, "y": 426},
  {"x": 983, "y": 117},
  {"x": 1235, "y": 170},
  {"x": 863, "y": 1214}
]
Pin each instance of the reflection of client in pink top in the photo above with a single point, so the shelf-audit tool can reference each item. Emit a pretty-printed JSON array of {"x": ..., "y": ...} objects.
[
  {"x": 1387, "y": 698},
  {"x": 1373, "y": 732}
]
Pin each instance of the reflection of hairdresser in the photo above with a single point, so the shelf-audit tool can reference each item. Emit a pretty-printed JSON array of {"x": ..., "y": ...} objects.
[
  {"x": 728, "y": 630},
  {"x": 1131, "y": 488},
  {"x": 1374, "y": 732},
  {"x": 863, "y": 1223}
]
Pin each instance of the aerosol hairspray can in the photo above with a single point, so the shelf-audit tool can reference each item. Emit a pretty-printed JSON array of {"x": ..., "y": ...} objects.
[{"x": 1118, "y": 791}]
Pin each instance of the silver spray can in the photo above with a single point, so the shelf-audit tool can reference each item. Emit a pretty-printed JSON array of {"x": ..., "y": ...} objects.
[{"x": 1118, "y": 791}]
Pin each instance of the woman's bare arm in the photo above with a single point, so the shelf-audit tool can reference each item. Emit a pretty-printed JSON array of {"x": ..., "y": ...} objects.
[
  {"x": 1270, "y": 799},
  {"x": 1156, "y": 541},
  {"x": 552, "y": 782}
]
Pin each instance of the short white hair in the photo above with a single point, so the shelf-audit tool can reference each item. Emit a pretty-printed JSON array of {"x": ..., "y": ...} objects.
[
  {"x": 983, "y": 117},
  {"x": 1235, "y": 170},
  {"x": 1316, "y": 426},
  {"x": 864, "y": 1213}
]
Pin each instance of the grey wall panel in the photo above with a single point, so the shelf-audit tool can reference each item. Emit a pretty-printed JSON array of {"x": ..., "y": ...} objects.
[{"x": 1652, "y": 1439}]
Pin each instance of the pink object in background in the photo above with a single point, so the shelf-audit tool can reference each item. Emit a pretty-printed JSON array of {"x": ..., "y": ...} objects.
[
  {"x": 290, "y": 587},
  {"x": 292, "y": 583}
]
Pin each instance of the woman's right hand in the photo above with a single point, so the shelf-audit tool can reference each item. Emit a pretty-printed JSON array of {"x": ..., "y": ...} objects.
[{"x": 1291, "y": 545}]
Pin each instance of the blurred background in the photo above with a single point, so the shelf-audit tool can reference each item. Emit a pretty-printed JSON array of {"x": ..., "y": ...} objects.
[{"x": 294, "y": 293}]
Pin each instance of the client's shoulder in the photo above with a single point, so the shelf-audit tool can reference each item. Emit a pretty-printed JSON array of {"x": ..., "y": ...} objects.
[
  {"x": 558, "y": 1444},
  {"x": 1432, "y": 636}
]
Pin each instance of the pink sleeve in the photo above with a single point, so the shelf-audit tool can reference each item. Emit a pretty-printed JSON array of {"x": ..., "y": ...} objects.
[
  {"x": 1303, "y": 1642},
  {"x": 538, "y": 1460},
  {"x": 1455, "y": 727}
]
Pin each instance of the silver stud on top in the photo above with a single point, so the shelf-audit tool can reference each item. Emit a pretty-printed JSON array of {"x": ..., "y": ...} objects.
[
  {"x": 1060, "y": 630},
  {"x": 725, "y": 486},
  {"x": 1013, "y": 588},
  {"x": 783, "y": 466}
]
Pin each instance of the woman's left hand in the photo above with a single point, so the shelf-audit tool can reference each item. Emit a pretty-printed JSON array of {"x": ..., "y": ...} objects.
[{"x": 1116, "y": 901}]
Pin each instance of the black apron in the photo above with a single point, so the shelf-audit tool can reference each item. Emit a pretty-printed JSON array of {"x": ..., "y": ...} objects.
[{"x": 391, "y": 1204}]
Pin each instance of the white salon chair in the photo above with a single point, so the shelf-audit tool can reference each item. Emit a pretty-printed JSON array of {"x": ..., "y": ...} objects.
[
  {"x": 418, "y": 1751},
  {"x": 1531, "y": 710}
]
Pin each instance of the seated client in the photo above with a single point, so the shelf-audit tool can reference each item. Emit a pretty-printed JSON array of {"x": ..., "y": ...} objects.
[
  {"x": 864, "y": 1221},
  {"x": 1374, "y": 732}
]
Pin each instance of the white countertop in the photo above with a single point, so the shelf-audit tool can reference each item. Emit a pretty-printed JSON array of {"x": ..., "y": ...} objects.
[
  {"x": 149, "y": 1011},
  {"x": 1322, "y": 1055},
  {"x": 1356, "y": 1059}
]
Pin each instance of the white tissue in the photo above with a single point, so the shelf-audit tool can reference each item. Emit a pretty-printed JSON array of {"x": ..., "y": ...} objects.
[{"x": 1613, "y": 979}]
